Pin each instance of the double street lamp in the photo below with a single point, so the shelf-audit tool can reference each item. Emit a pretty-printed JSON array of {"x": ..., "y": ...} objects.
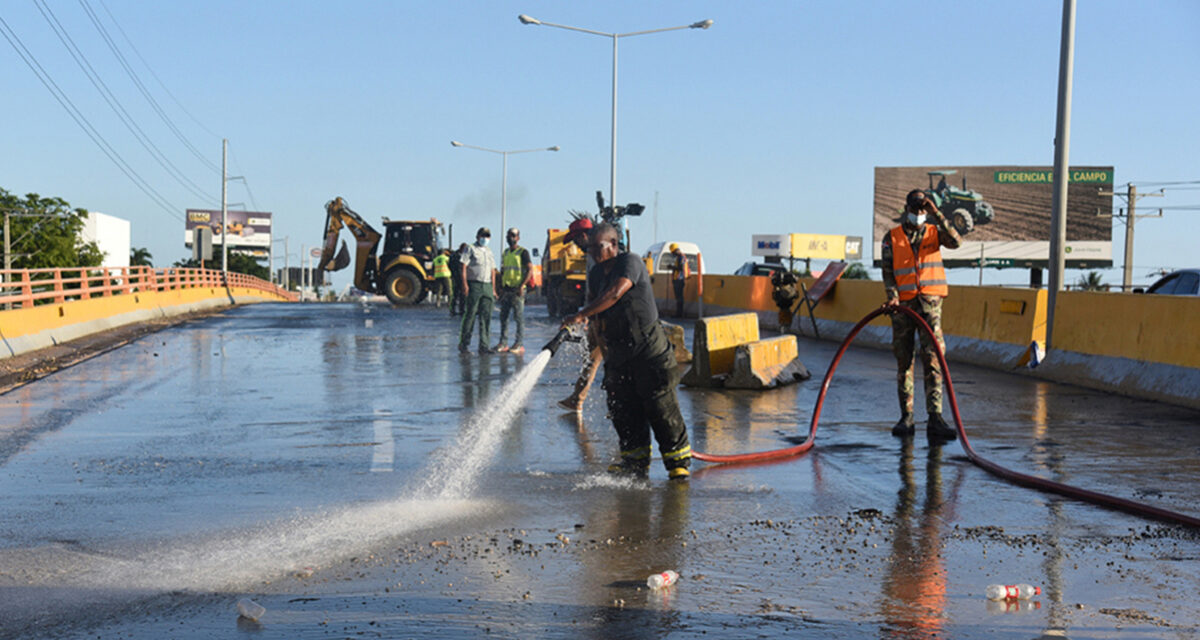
[
  {"x": 612, "y": 175},
  {"x": 504, "y": 178}
]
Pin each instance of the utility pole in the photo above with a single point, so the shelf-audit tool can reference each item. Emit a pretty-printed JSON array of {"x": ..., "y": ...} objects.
[
  {"x": 7, "y": 255},
  {"x": 1131, "y": 196},
  {"x": 1127, "y": 276},
  {"x": 224, "y": 228},
  {"x": 1062, "y": 148}
]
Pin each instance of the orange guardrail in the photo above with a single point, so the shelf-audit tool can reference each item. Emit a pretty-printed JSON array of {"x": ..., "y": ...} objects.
[{"x": 29, "y": 287}]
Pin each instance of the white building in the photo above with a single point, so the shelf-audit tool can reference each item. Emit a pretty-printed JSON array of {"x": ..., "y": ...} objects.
[{"x": 109, "y": 233}]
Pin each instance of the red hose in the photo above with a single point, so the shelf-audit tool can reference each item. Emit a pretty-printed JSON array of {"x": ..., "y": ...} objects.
[{"x": 1034, "y": 482}]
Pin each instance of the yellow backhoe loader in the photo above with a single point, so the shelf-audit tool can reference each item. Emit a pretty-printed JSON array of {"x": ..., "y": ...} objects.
[{"x": 403, "y": 271}]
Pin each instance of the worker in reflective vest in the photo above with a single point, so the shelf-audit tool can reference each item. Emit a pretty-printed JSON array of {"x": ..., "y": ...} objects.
[
  {"x": 516, "y": 269},
  {"x": 441, "y": 277},
  {"x": 913, "y": 276}
]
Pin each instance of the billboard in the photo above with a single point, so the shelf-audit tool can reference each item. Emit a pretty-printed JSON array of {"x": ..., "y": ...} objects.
[
  {"x": 246, "y": 228},
  {"x": 1003, "y": 212},
  {"x": 807, "y": 245}
]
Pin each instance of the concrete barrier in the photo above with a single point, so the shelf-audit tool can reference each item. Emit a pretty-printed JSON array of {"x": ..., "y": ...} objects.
[
  {"x": 676, "y": 336},
  {"x": 766, "y": 364},
  {"x": 28, "y": 329},
  {"x": 727, "y": 352},
  {"x": 1132, "y": 344},
  {"x": 714, "y": 343}
]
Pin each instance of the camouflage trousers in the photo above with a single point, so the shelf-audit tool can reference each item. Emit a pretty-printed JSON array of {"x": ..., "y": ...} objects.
[{"x": 903, "y": 344}]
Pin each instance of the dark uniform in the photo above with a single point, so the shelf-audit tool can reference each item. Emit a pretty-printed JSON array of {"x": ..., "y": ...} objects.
[
  {"x": 640, "y": 371},
  {"x": 903, "y": 327},
  {"x": 459, "y": 297}
]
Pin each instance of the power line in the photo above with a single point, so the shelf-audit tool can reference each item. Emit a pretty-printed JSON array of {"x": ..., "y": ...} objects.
[
  {"x": 31, "y": 61},
  {"x": 245, "y": 182},
  {"x": 141, "y": 87},
  {"x": 1162, "y": 184},
  {"x": 160, "y": 82},
  {"x": 114, "y": 103}
]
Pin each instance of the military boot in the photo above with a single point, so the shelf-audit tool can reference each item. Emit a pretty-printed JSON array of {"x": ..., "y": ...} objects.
[
  {"x": 938, "y": 430},
  {"x": 905, "y": 427}
]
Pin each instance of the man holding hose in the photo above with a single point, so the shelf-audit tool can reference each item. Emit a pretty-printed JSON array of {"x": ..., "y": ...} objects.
[
  {"x": 913, "y": 277},
  {"x": 640, "y": 371}
]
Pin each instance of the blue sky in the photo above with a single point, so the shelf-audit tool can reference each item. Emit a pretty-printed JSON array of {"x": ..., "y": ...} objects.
[{"x": 769, "y": 122}]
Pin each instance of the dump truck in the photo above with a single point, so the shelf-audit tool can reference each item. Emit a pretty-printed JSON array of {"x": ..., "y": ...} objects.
[
  {"x": 403, "y": 271},
  {"x": 564, "y": 272}
]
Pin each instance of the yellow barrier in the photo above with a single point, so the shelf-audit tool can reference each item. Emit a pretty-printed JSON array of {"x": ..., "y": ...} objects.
[
  {"x": 1132, "y": 344},
  {"x": 64, "y": 308},
  {"x": 715, "y": 342},
  {"x": 767, "y": 363},
  {"x": 1146, "y": 328}
]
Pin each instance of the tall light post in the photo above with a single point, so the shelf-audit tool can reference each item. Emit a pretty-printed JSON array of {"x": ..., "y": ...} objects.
[
  {"x": 504, "y": 178},
  {"x": 612, "y": 172}
]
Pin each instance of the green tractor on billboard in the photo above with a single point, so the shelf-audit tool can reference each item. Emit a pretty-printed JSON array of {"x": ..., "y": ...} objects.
[{"x": 964, "y": 208}]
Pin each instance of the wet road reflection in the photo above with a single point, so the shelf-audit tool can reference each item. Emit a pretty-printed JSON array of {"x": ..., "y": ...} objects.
[{"x": 147, "y": 489}]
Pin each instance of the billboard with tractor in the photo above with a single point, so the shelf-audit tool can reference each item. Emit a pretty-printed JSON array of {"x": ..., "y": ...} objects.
[{"x": 1003, "y": 212}]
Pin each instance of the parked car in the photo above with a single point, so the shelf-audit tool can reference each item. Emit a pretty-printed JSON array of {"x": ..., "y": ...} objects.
[
  {"x": 1185, "y": 282},
  {"x": 759, "y": 269}
]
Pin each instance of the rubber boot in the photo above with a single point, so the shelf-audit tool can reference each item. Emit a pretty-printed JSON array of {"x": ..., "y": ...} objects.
[
  {"x": 905, "y": 427},
  {"x": 938, "y": 430}
]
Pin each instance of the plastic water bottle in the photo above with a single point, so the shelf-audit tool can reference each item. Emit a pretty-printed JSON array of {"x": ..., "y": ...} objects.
[
  {"x": 250, "y": 609},
  {"x": 1011, "y": 592},
  {"x": 662, "y": 580}
]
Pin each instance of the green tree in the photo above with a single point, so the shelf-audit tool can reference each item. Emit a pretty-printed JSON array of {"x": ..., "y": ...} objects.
[
  {"x": 1091, "y": 281},
  {"x": 238, "y": 263},
  {"x": 45, "y": 233},
  {"x": 140, "y": 257},
  {"x": 856, "y": 271}
]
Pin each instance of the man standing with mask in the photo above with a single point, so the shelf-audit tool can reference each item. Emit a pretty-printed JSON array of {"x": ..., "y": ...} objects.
[
  {"x": 913, "y": 276},
  {"x": 478, "y": 279},
  {"x": 515, "y": 270},
  {"x": 639, "y": 362}
]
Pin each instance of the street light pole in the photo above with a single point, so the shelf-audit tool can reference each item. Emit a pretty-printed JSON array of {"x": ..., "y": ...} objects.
[
  {"x": 504, "y": 174},
  {"x": 612, "y": 172},
  {"x": 1062, "y": 147}
]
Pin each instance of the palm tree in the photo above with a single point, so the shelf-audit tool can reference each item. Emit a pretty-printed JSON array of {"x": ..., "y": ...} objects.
[
  {"x": 140, "y": 257},
  {"x": 1091, "y": 281}
]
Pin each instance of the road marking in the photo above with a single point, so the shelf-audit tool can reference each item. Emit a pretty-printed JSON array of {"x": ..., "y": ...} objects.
[{"x": 383, "y": 455}]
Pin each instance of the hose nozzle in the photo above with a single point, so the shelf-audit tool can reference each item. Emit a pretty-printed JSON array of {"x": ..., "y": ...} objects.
[{"x": 563, "y": 335}]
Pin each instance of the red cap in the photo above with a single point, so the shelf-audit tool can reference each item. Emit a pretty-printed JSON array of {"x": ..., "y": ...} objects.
[{"x": 577, "y": 228}]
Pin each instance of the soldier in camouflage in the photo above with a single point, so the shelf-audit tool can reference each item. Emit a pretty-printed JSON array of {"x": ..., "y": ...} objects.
[{"x": 913, "y": 276}]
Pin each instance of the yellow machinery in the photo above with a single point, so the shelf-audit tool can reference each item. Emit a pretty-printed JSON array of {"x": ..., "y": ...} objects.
[{"x": 403, "y": 271}]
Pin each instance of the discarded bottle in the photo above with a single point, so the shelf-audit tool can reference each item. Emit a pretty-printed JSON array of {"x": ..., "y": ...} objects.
[
  {"x": 1011, "y": 592},
  {"x": 1012, "y": 606},
  {"x": 662, "y": 580},
  {"x": 250, "y": 609}
]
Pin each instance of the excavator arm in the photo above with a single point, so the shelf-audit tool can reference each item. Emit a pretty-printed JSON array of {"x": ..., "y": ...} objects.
[{"x": 366, "y": 239}]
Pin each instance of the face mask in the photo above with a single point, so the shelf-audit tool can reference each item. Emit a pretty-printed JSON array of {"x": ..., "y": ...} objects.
[
  {"x": 483, "y": 241},
  {"x": 913, "y": 219}
]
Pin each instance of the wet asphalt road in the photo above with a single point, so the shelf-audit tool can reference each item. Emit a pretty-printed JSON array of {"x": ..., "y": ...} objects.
[{"x": 284, "y": 453}]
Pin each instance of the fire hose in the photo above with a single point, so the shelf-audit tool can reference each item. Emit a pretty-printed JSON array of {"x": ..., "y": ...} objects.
[{"x": 1025, "y": 480}]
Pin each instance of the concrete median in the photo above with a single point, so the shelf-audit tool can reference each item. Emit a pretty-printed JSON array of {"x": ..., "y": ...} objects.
[
  {"x": 766, "y": 364},
  {"x": 727, "y": 352}
]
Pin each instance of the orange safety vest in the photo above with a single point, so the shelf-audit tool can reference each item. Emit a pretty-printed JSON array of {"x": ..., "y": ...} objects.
[{"x": 921, "y": 273}]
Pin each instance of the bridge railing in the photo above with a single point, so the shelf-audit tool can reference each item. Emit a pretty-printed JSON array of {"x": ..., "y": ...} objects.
[{"x": 29, "y": 287}]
